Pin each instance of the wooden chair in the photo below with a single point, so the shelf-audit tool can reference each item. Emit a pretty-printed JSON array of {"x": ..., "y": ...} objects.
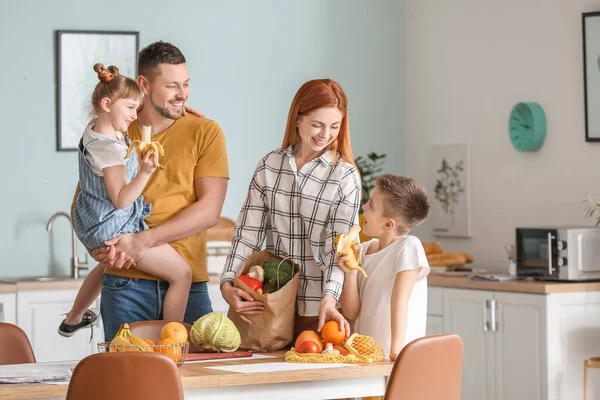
[
  {"x": 428, "y": 368},
  {"x": 593, "y": 362},
  {"x": 127, "y": 375},
  {"x": 15, "y": 347}
]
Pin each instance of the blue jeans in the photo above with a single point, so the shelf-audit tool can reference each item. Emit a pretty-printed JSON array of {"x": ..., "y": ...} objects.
[{"x": 132, "y": 299}]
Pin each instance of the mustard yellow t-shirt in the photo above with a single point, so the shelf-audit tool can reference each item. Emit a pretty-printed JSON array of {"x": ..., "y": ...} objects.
[{"x": 194, "y": 148}]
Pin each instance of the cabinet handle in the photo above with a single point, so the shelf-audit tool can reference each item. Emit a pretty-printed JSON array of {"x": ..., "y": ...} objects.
[
  {"x": 1, "y": 312},
  {"x": 486, "y": 326},
  {"x": 493, "y": 312}
]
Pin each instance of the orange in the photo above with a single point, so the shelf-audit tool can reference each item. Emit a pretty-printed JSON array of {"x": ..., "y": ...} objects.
[
  {"x": 308, "y": 336},
  {"x": 149, "y": 341},
  {"x": 175, "y": 331},
  {"x": 331, "y": 333},
  {"x": 169, "y": 348}
]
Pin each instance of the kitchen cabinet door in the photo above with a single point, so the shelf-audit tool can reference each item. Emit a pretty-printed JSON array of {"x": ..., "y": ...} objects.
[
  {"x": 435, "y": 325},
  {"x": 466, "y": 314},
  {"x": 520, "y": 346},
  {"x": 8, "y": 308},
  {"x": 39, "y": 313}
]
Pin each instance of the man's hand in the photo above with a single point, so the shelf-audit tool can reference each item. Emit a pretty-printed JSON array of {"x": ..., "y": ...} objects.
[
  {"x": 187, "y": 109},
  {"x": 108, "y": 257},
  {"x": 241, "y": 302},
  {"x": 328, "y": 311},
  {"x": 128, "y": 248}
]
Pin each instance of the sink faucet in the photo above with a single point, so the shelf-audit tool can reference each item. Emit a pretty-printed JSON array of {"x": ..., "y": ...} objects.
[{"x": 76, "y": 265}]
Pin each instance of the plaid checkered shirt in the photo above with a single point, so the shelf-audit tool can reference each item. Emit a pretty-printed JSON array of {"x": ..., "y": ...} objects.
[{"x": 298, "y": 214}]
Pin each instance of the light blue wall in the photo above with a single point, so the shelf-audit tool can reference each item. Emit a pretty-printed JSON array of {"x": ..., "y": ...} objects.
[{"x": 246, "y": 60}]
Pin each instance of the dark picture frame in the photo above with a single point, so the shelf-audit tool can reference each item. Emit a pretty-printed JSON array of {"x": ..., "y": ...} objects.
[
  {"x": 590, "y": 25},
  {"x": 76, "y": 53}
]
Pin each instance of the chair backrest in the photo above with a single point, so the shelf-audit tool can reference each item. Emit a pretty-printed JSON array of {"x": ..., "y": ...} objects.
[
  {"x": 127, "y": 375},
  {"x": 428, "y": 368},
  {"x": 15, "y": 347}
]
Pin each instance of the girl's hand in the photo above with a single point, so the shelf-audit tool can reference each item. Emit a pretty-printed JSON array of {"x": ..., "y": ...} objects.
[
  {"x": 147, "y": 163},
  {"x": 187, "y": 109}
]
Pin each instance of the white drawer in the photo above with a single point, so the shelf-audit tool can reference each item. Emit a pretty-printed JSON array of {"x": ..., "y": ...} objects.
[{"x": 435, "y": 302}]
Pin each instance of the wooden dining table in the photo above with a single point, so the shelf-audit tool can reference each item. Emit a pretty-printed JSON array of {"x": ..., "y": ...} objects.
[{"x": 262, "y": 376}]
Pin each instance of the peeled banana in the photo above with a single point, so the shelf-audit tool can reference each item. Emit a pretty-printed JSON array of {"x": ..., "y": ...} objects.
[
  {"x": 146, "y": 144},
  {"x": 346, "y": 243},
  {"x": 124, "y": 340}
]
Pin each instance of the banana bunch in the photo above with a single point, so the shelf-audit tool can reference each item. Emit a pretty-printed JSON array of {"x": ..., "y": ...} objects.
[
  {"x": 346, "y": 244},
  {"x": 124, "y": 340},
  {"x": 146, "y": 144}
]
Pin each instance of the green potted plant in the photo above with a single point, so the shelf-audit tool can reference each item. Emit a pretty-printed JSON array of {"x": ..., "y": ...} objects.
[{"x": 369, "y": 168}]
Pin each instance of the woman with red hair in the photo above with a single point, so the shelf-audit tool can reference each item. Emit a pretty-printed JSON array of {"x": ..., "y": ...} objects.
[{"x": 301, "y": 197}]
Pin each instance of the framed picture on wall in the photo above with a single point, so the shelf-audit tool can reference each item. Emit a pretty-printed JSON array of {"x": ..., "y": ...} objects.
[
  {"x": 450, "y": 187},
  {"x": 77, "y": 52},
  {"x": 591, "y": 74}
]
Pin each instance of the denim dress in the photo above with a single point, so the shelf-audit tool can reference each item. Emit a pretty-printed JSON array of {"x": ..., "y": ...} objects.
[{"x": 96, "y": 219}]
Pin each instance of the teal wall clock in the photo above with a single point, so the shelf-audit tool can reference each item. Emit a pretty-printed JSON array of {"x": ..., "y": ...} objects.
[{"x": 527, "y": 126}]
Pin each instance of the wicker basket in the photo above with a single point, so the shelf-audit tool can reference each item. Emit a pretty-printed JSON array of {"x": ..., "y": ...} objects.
[{"x": 176, "y": 352}]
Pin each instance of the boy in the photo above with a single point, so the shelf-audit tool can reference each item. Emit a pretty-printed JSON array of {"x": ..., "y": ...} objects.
[{"x": 391, "y": 304}]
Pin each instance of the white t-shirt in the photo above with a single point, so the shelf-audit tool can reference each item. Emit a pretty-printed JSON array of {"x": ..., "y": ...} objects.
[
  {"x": 375, "y": 291},
  {"x": 103, "y": 151}
]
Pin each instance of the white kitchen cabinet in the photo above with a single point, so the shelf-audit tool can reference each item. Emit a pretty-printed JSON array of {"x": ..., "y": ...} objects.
[
  {"x": 520, "y": 346},
  {"x": 39, "y": 313},
  {"x": 573, "y": 335},
  {"x": 435, "y": 325},
  {"x": 218, "y": 302},
  {"x": 465, "y": 314},
  {"x": 8, "y": 308},
  {"x": 504, "y": 335},
  {"x": 435, "y": 311}
]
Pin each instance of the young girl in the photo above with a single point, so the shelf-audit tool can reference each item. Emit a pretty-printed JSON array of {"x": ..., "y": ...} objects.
[
  {"x": 391, "y": 304},
  {"x": 110, "y": 202}
]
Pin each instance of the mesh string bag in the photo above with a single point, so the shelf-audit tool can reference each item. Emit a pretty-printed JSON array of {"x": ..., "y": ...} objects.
[{"x": 362, "y": 349}]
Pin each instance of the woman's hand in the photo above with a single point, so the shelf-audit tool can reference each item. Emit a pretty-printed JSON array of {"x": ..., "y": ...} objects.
[
  {"x": 327, "y": 311},
  {"x": 147, "y": 163},
  {"x": 241, "y": 302}
]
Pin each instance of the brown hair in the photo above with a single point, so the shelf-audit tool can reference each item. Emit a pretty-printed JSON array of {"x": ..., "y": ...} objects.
[
  {"x": 114, "y": 86},
  {"x": 315, "y": 94},
  {"x": 158, "y": 53},
  {"x": 405, "y": 200}
]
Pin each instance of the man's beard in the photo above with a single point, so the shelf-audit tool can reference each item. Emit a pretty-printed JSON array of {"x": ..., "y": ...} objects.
[{"x": 164, "y": 111}]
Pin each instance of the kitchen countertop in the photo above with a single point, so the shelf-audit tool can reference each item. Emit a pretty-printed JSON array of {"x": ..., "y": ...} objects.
[
  {"x": 199, "y": 379},
  {"x": 11, "y": 285},
  {"x": 528, "y": 286},
  {"x": 8, "y": 287}
]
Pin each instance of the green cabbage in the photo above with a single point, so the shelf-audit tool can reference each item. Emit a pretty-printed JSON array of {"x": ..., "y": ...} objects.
[
  {"x": 276, "y": 276},
  {"x": 215, "y": 331}
]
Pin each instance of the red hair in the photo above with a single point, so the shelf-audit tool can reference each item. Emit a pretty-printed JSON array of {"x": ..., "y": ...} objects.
[{"x": 315, "y": 94}]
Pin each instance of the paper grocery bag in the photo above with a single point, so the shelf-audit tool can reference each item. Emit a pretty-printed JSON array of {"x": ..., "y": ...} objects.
[{"x": 274, "y": 329}]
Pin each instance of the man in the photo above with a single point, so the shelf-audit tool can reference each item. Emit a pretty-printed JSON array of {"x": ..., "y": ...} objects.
[{"x": 187, "y": 197}]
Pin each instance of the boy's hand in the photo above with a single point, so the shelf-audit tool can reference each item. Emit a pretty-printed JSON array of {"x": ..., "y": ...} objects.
[
  {"x": 147, "y": 164},
  {"x": 342, "y": 258}
]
